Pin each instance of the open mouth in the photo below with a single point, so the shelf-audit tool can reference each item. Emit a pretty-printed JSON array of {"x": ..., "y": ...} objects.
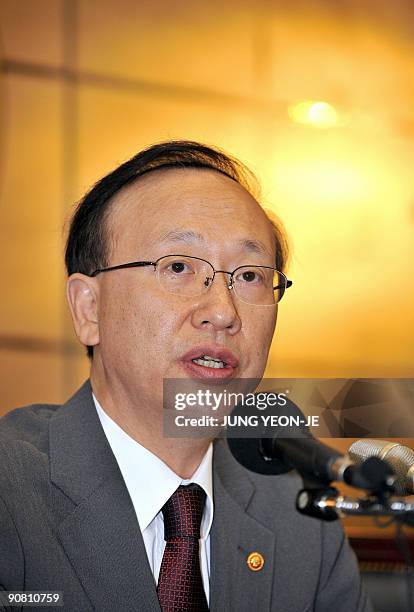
[{"x": 210, "y": 362}]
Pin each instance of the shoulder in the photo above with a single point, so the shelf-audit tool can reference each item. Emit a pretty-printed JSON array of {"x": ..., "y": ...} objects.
[
  {"x": 30, "y": 424},
  {"x": 27, "y": 425},
  {"x": 26, "y": 421},
  {"x": 24, "y": 444},
  {"x": 24, "y": 460}
]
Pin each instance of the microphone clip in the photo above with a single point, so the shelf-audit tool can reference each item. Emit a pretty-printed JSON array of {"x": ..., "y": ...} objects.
[{"x": 327, "y": 504}]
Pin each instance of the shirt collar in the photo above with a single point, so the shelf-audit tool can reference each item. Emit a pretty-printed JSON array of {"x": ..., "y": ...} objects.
[{"x": 150, "y": 482}]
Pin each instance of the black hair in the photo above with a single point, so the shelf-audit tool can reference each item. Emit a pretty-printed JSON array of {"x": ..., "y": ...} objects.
[{"x": 87, "y": 245}]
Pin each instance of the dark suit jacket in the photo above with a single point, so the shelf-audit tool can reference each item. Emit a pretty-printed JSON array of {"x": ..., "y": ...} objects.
[{"x": 67, "y": 524}]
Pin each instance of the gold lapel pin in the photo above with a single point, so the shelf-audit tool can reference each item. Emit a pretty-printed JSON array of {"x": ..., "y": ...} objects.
[{"x": 255, "y": 561}]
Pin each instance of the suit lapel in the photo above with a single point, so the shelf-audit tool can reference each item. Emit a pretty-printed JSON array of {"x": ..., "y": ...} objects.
[
  {"x": 101, "y": 537},
  {"x": 235, "y": 534}
]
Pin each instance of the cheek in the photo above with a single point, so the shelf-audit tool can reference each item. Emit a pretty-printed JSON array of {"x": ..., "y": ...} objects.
[
  {"x": 261, "y": 333},
  {"x": 118, "y": 319},
  {"x": 139, "y": 326}
]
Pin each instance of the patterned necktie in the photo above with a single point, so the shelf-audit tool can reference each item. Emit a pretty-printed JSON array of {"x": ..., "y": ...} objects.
[{"x": 180, "y": 587}]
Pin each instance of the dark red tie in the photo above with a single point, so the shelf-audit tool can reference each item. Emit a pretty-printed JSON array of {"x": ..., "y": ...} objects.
[{"x": 180, "y": 587}]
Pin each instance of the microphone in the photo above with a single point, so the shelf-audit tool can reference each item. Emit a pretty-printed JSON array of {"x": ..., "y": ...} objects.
[
  {"x": 399, "y": 457},
  {"x": 295, "y": 448}
]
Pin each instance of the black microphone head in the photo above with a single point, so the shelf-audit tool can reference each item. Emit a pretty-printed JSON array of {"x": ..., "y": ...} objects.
[
  {"x": 248, "y": 452},
  {"x": 372, "y": 473},
  {"x": 253, "y": 448}
]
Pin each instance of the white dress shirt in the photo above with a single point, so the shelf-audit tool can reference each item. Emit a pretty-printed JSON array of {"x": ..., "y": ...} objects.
[{"x": 151, "y": 483}]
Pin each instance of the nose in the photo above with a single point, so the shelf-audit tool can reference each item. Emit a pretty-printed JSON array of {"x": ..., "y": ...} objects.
[{"x": 216, "y": 308}]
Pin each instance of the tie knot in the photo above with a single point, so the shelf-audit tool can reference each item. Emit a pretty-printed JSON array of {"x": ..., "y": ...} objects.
[{"x": 183, "y": 512}]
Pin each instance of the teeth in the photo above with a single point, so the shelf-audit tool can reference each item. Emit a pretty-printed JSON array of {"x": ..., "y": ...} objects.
[{"x": 210, "y": 362}]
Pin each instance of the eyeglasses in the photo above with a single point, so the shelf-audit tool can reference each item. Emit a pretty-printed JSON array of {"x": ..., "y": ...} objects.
[{"x": 192, "y": 276}]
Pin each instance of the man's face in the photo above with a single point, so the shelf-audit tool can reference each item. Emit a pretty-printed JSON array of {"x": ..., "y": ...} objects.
[{"x": 147, "y": 334}]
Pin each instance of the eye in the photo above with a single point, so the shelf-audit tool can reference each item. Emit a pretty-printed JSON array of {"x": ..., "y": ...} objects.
[
  {"x": 250, "y": 276},
  {"x": 179, "y": 268}
]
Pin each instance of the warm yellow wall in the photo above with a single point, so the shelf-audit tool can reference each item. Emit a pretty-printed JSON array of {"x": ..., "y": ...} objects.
[{"x": 86, "y": 84}]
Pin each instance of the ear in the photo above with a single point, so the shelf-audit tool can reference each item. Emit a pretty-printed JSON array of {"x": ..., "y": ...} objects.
[{"x": 82, "y": 293}]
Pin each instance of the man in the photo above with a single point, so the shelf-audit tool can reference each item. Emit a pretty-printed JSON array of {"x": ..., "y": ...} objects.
[{"x": 168, "y": 260}]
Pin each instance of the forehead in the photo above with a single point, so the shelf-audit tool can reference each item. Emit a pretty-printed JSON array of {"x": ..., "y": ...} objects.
[{"x": 187, "y": 206}]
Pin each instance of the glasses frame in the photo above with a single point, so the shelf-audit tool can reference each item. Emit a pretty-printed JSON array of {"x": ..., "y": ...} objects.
[{"x": 208, "y": 282}]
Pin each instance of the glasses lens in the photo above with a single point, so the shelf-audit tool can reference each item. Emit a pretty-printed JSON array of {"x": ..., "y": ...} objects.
[
  {"x": 259, "y": 285},
  {"x": 184, "y": 275}
]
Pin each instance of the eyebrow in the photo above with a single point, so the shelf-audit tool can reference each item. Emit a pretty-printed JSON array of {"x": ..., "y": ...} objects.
[
  {"x": 191, "y": 237},
  {"x": 182, "y": 236},
  {"x": 254, "y": 246}
]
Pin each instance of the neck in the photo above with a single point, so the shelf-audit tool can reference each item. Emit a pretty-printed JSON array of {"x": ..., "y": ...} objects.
[{"x": 144, "y": 424}]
